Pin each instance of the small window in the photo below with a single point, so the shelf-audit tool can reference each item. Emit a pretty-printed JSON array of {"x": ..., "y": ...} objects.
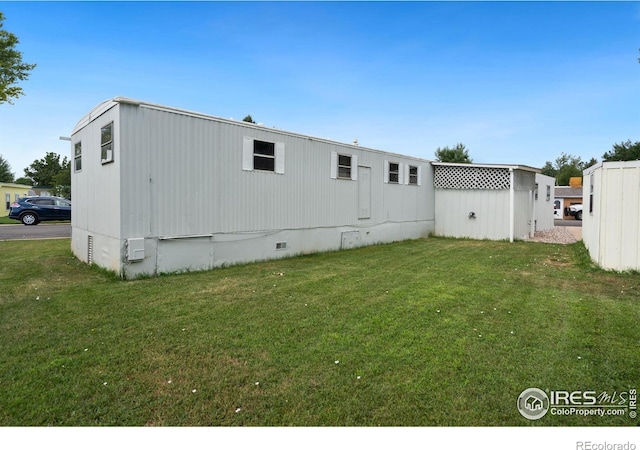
[
  {"x": 548, "y": 193},
  {"x": 106, "y": 144},
  {"x": 264, "y": 156},
  {"x": 591, "y": 193},
  {"x": 344, "y": 166},
  {"x": 7, "y": 198},
  {"x": 77, "y": 156},
  {"x": 42, "y": 201},
  {"x": 413, "y": 175},
  {"x": 394, "y": 171}
]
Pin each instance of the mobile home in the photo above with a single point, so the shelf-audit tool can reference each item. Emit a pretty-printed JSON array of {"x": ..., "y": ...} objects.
[
  {"x": 158, "y": 189},
  {"x": 611, "y": 214}
]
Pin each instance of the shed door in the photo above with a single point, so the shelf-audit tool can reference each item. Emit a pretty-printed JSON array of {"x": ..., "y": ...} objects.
[{"x": 364, "y": 192}]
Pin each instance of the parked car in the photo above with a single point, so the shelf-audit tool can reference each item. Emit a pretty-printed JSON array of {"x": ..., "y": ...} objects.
[
  {"x": 576, "y": 211},
  {"x": 33, "y": 210}
]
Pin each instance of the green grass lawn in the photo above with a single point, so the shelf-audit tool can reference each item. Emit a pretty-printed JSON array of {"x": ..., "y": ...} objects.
[
  {"x": 4, "y": 220},
  {"x": 423, "y": 333}
]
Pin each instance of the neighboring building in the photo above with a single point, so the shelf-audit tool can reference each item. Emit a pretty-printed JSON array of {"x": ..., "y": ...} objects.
[
  {"x": 491, "y": 201},
  {"x": 565, "y": 197},
  {"x": 611, "y": 214},
  {"x": 158, "y": 189},
  {"x": 42, "y": 191},
  {"x": 10, "y": 192}
]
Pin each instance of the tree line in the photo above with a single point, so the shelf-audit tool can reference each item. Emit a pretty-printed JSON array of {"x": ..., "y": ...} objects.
[
  {"x": 562, "y": 169},
  {"x": 52, "y": 171}
]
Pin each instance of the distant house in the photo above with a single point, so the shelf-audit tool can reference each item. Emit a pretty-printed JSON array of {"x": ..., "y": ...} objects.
[
  {"x": 565, "y": 196},
  {"x": 43, "y": 191},
  {"x": 10, "y": 192},
  {"x": 611, "y": 214}
]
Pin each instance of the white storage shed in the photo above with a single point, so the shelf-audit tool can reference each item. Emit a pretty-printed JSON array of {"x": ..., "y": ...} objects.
[
  {"x": 489, "y": 201},
  {"x": 611, "y": 214},
  {"x": 158, "y": 189}
]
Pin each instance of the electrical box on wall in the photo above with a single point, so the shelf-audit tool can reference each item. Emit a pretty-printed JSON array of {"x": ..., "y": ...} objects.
[{"x": 135, "y": 249}]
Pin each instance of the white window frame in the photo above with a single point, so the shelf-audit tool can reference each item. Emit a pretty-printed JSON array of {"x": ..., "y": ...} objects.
[
  {"x": 353, "y": 167},
  {"x": 395, "y": 169},
  {"x": 77, "y": 156},
  {"x": 107, "y": 147},
  {"x": 409, "y": 175},
  {"x": 591, "y": 193},
  {"x": 248, "y": 155}
]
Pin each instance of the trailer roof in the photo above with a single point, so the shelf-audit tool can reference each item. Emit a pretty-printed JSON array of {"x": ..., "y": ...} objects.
[
  {"x": 106, "y": 105},
  {"x": 488, "y": 166}
]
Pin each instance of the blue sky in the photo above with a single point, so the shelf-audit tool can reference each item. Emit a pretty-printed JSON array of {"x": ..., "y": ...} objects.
[{"x": 516, "y": 82}]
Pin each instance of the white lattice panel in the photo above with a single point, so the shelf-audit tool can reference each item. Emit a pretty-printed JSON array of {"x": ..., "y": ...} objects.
[{"x": 453, "y": 177}]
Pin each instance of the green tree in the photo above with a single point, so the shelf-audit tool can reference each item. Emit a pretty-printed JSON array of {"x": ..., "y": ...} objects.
[
  {"x": 23, "y": 180},
  {"x": 589, "y": 163},
  {"x": 52, "y": 172},
  {"x": 248, "y": 119},
  {"x": 565, "y": 167},
  {"x": 624, "y": 151},
  {"x": 457, "y": 154},
  {"x": 62, "y": 180},
  {"x": 6, "y": 176},
  {"x": 12, "y": 69}
]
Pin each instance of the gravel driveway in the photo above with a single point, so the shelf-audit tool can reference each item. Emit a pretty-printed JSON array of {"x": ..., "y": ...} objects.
[{"x": 558, "y": 235}]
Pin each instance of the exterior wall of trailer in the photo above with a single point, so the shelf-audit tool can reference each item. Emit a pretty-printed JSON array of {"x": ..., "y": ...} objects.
[{"x": 184, "y": 191}]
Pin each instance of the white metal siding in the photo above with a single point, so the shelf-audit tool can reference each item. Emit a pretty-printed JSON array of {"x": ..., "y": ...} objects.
[
  {"x": 591, "y": 219},
  {"x": 491, "y": 208},
  {"x": 96, "y": 191},
  {"x": 523, "y": 214},
  {"x": 190, "y": 172},
  {"x": 544, "y": 207},
  {"x": 620, "y": 217},
  {"x": 610, "y": 232},
  {"x": 484, "y": 191}
]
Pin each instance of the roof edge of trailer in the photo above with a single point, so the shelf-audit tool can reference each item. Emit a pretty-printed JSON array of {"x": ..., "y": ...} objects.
[
  {"x": 488, "y": 166},
  {"x": 106, "y": 105}
]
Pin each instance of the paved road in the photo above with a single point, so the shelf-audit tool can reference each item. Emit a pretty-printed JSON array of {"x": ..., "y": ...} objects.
[
  {"x": 41, "y": 231},
  {"x": 568, "y": 223}
]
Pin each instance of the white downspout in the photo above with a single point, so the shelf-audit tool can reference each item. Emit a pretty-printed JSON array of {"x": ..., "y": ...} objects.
[{"x": 512, "y": 203}]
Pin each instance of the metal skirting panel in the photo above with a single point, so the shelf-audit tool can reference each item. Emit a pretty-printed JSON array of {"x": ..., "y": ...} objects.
[{"x": 207, "y": 252}]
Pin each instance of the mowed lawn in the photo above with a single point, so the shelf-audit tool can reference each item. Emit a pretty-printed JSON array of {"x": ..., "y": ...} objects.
[{"x": 423, "y": 333}]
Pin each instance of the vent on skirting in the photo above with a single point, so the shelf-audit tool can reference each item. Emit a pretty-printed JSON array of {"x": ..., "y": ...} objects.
[
  {"x": 281, "y": 245},
  {"x": 90, "y": 249}
]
